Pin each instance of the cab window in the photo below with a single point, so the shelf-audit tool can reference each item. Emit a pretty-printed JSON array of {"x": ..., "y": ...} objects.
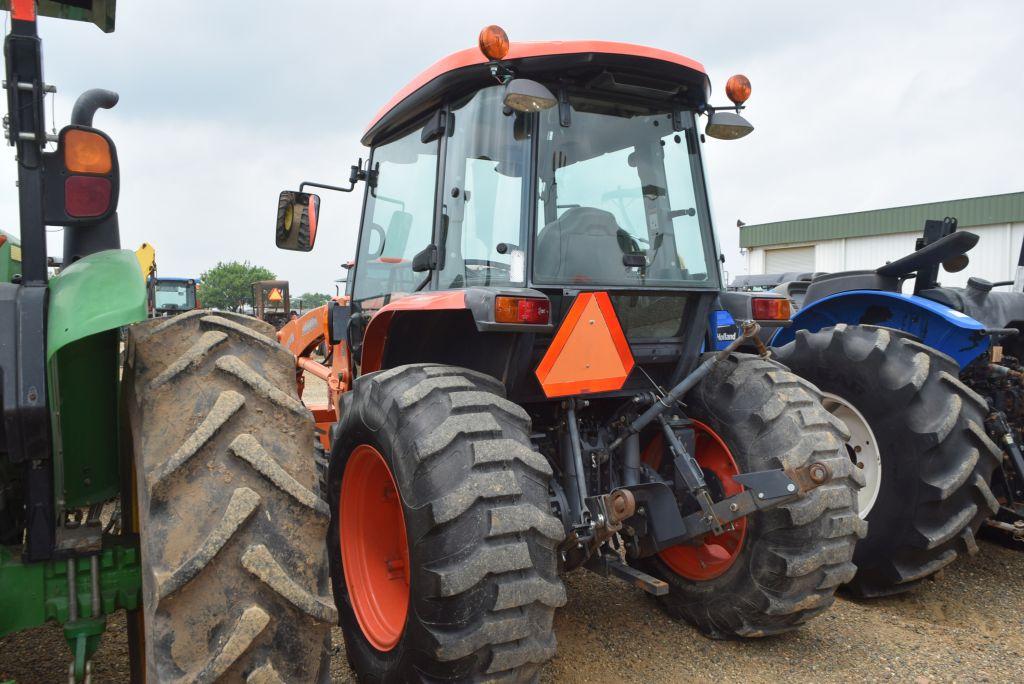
[
  {"x": 397, "y": 222},
  {"x": 484, "y": 194}
]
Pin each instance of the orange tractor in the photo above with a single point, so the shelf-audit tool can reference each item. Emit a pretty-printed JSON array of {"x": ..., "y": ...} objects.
[{"x": 524, "y": 376}]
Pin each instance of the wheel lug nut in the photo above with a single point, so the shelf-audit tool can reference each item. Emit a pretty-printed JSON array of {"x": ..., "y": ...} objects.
[{"x": 818, "y": 472}]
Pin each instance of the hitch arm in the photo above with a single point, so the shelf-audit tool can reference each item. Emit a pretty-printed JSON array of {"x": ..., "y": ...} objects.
[{"x": 764, "y": 489}]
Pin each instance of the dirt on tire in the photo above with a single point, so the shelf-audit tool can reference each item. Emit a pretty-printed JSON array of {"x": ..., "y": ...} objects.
[
  {"x": 483, "y": 570},
  {"x": 936, "y": 459},
  {"x": 793, "y": 557},
  {"x": 235, "y": 578}
]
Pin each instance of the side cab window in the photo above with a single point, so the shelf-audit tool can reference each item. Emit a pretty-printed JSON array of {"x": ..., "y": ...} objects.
[{"x": 398, "y": 221}]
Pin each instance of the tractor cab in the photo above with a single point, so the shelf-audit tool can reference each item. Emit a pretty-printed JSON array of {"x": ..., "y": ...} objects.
[
  {"x": 172, "y": 295},
  {"x": 521, "y": 175},
  {"x": 271, "y": 302}
]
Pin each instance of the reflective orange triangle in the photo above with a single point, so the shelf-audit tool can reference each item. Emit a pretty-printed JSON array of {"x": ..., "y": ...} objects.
[
  {"x": 275, "y": 295},
  {"x": 589, "y": 353}
]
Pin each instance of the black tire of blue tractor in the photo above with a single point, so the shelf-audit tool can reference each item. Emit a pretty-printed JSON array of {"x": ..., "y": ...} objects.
[
  {"x": 482, "y": 540},
  {"x": 793, "y": 557},
  {"x": 234, "y": 570},
  {"x": 936, "y": 459}
]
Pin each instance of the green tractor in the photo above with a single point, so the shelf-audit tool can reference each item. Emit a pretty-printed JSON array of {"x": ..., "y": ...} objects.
[
  {"x": 171, "y": 485},
  {"x": 10, "y": 257}
]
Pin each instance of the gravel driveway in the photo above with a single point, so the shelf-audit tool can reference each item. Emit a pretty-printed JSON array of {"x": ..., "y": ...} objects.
[{"x": 966, "y": 626}]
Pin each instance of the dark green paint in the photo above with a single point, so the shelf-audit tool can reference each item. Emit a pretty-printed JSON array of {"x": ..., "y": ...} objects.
[
  {"x": 37, "y": 593},
  {"x": 84, "y": 398},
  {"x": 973, "y": 211},
  {"x": 10, "y": 257},
  {"x": 89, "y": 302}
]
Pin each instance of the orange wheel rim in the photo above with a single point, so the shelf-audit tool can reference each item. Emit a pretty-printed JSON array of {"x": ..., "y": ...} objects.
[
  {"x": 715, "y": 553},
  {"x": 374, "y": 549}
]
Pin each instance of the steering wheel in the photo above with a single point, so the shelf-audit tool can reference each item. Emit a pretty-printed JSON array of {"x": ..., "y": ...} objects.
[{"x": 376, "y": 229}]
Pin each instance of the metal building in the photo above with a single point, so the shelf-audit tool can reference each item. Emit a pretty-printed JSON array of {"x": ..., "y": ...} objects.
[{"x": 868, "y": 239}]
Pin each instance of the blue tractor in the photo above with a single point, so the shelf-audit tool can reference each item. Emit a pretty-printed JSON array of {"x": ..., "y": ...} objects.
[{"x": 930, "y": 387}]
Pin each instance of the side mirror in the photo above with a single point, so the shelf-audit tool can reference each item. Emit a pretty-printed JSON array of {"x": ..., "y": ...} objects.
[
  {"x": 337, "y": 322},
  {"x": 297, "y": 214},
  {"x": 727, "y": 125}
]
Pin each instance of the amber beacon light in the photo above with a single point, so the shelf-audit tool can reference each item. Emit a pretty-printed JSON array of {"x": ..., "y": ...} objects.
[
  {"x": 493, "y": 42},
  {"x": 737, "y": 89}
]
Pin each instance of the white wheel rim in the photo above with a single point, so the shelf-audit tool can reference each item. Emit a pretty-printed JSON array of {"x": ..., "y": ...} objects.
[{"x": 862, "y": 447}]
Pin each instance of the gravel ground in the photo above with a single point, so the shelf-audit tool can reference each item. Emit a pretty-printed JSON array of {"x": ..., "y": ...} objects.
[{"x": 966, "y": 626}]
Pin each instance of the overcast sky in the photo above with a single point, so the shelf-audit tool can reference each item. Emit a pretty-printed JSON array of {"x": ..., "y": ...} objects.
[{"x": 856, "y": 106}]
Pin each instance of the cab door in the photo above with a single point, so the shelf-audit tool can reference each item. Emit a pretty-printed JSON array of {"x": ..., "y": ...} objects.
[{"x": 398, "y": 223}]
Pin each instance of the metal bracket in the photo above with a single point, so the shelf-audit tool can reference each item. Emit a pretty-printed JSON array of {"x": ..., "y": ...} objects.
[{"x": 612, "y": 566}]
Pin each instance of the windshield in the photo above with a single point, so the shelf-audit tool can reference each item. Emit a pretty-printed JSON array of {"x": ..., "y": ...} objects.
[
  {"x": 174, "y": 296},
  {"x": 617, "y": 202}
]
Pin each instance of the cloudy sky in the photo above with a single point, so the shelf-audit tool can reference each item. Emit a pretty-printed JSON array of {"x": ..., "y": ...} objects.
[{"x": 856, "y": 105}]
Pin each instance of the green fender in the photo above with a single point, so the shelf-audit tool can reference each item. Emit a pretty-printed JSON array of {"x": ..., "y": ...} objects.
[
  {"x": 90, "y": 301},
  {"x": 99, "y": 292}
]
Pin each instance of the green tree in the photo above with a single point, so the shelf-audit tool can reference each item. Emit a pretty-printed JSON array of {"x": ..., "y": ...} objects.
[
  {"x": 228, "y": 285},
  {"x": 310, "y": 300}
]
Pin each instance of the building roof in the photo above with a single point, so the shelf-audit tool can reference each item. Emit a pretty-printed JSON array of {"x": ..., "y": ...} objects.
[{"x": 971, "y": 211}]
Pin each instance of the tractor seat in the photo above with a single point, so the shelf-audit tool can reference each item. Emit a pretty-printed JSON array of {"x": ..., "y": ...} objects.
[
  {"x": 584, "y": 245},
  {"x": 844, "y": 281}
]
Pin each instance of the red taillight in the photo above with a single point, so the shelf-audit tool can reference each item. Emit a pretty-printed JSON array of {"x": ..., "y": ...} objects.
[
  {"x": 86, "y": 196},
  {"x": 776, "y": 309},
  {"x": 521, "y": 310}
]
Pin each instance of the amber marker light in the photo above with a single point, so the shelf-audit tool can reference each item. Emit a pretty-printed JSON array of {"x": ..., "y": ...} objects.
[
  {"x": 493, "y": 42},
  {"x": 86, "y": 152},
  {"x": 737, "y": 89},
  {"x": 521, "y": 310},
  {"x": 776, "y": 309}
]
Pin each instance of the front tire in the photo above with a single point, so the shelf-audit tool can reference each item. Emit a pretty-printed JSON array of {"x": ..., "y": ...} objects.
[
  {"x": 470, "y": 532},
  {"x": 788, "y": 561},
  {"x": 936, "y": 460},
  {"x": 234, "y": 571}
]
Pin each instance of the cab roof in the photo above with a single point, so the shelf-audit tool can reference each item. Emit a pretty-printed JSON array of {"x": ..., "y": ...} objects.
[{"x": 653, "y": 72}]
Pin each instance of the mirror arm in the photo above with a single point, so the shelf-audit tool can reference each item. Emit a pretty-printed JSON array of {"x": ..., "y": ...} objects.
[
  {"x": 356, "y": 174},
  {"x": 311, "y": 184}
]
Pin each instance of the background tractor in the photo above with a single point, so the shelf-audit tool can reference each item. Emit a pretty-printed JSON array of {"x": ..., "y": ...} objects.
[
  {"x": 521, "y": 374},
  {"x": 10, "y": 257},
  {"x": 271, "y": 302},
  {"x": 929, "y": 386},
  {"x": 170, "y": 486},
  {"x": 165, "y": 296}
]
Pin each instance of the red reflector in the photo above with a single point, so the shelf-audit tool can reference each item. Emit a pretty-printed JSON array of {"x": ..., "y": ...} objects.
[
  {"x": 521, "y": 310},
  {"x": 86, "y": 196},
  {"x": 770, "y": 309}
]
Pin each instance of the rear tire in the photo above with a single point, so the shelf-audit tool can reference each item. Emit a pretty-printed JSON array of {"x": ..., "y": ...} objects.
[
  {"x": 936, "y": 459},
  {"x": 235, "y": 581},
  {"x": 792, "y": 557},
  {"x": 481, "y": 540}
]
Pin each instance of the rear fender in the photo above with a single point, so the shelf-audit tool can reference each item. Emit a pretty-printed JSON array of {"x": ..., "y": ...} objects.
[
  {"x": 99, "y": 292},
  {"x": 477, "y": 302},
  {"x": 89, "y": 301},
  {"x": 939, "y": 327}
]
